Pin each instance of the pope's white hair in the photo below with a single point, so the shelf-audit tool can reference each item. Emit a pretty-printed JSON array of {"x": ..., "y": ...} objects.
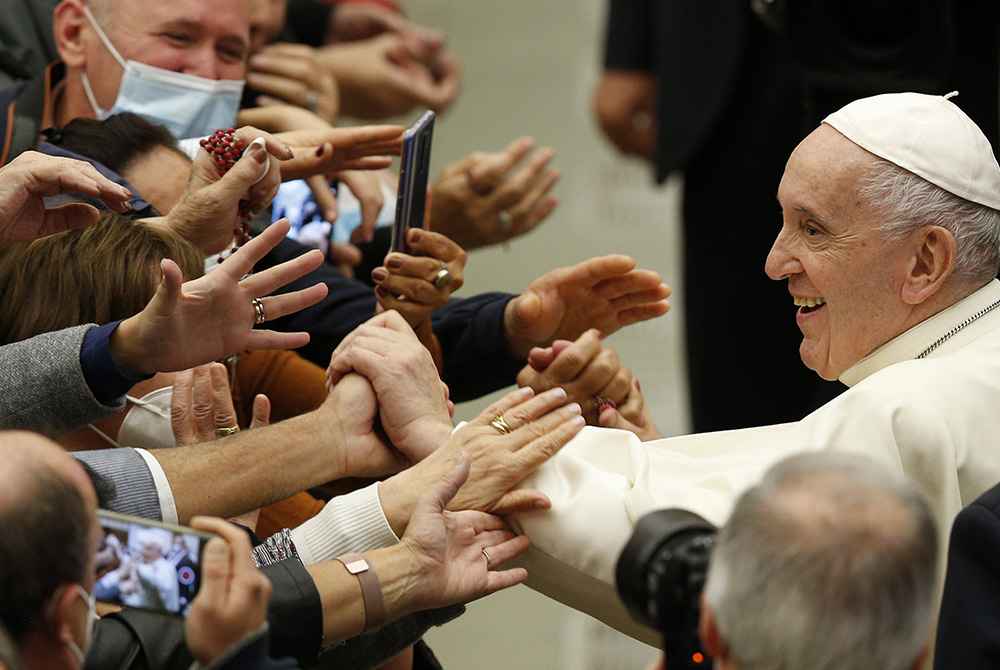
[{"x": 906, "y": 202}]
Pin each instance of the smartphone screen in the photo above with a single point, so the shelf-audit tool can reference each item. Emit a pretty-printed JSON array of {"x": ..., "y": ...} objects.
[
  {"x": 411, "y": 197},
  {"x": 147, "y": 564}
]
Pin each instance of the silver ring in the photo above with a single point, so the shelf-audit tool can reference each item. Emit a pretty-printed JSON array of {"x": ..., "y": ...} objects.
[
  {"x": 312, "y": 100},
  {"x": 501, "y": 424},
  {"x": 504, "y": 221},
  {"x": 443, "y": 277},
  {"x": 258, "y": 309},
  {"x": 224, "y": 432},
  {"x": 489, "y": 561}
]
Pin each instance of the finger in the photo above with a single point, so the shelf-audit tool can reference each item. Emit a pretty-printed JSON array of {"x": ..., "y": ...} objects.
[
  {"x": 643, "y": 313},
  {"x": 531, "y": 199},
  {"x": 202, "y": 407},
  {"x": 169, "y": 289},
  {"x": 224, "y": 414},
  {"x": 518, "y": 414},
  {"x": 71, "y": 216},
  {"x": 436, "y": 498},
  {"x": 261, "y": 411},
  {"x": 516, "y": 187},
  {"x": 486, "y": 173},
  {"x": 435, "y": 245},
  {"x": 521, "y": 500},
  {"x": 277, "y": 306},
  {"x": 270, "y": 339},
  {"x": 344, "y": 254},
  {"x": 270, "y": 280},
  {"x": 573, "y": 359},
  {"x": 215, "y": 571},
  {"x": 503, "y": 545},
  {"x": 239, "y": 264},
  {"x": 617, "y": 390},
  {"x": 290, "y": 89},
  {"x": 325, "y": 196},
  {"x": 553, "y": 432},
  {"x": 180, "y": 408}
]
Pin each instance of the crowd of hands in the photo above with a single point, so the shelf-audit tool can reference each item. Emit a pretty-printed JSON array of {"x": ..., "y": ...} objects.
[{"x": 384, "y": 386}]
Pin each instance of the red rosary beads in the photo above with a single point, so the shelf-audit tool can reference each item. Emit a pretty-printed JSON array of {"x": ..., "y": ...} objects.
[{"x": 226, "y": 148}]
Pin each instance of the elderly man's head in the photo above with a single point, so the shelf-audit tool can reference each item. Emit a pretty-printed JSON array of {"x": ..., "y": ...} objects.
[
  {"x": 204, "y": 38},
  {"x": 872, "y": 243},
  {"x": 828, "y": 563},
  {"x": 48, "y": 510}
]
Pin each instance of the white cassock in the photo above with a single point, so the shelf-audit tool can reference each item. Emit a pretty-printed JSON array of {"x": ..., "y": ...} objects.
[{"x": 936, "y": 419}]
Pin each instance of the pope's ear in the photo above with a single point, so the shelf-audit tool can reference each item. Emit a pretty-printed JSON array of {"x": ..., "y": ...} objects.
[
  {"x": 932, "y": 260},
  {"x": 68, "y": 20}
]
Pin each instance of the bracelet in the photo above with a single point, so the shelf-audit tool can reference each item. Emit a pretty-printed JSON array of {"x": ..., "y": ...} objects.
[{"x": 371, "y": 589}]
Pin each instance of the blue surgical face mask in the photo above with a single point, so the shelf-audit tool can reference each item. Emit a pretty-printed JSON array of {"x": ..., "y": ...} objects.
[{"x": 189, "y": 106}]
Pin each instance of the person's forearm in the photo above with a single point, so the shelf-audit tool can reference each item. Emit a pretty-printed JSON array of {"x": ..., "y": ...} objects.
[
  {"x": 254, "y": 468},
  {"x": 340, "y": 592}
]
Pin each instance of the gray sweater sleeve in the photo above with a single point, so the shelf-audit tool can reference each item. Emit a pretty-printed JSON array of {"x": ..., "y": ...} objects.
[{"x": 42, "y": 387}]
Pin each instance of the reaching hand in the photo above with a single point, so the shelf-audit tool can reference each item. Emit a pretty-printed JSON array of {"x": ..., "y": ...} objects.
[
  {"x": 207, "y": 212},
  {"x": 625, "y": 105},
  {"x": 31, "y": 177},
  {"x": 408, "y": 283},
  {"x": 448, "y": 547},
  {"x": 590, "y": 374},
  {"x": 291, "y": 74},
  {"x": 212, "y": 317},
  {"x": 353, "y": 407},
  {"x": 233, "y": 597},
  {"x": 478, "y": 201},
  {"x": 538, "y": 426},
  {"x": 412, "y": 400},
  {"x": 201, "y": 406},
  {"x": 606, "y": 293},
  {"x": 391, "y": 73},
  {"x": 329, "y": 150}
]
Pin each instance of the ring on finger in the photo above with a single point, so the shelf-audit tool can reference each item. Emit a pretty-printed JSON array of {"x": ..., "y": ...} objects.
[
  {"x": 443, "y": 276},
  {"x": 258, "y": 310},
  {"x": 312, "y": 100},
  {"x": 501, "y": 424},
  {"x": 489, "y": 561},
  {"x": 223, "y": 432},
  {"x": 504, "y": 221}
]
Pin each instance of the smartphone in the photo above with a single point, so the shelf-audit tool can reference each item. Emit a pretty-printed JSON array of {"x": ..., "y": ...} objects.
[
  {"x": 147, "y": 564},
  {"x": 411, "y": 197}
]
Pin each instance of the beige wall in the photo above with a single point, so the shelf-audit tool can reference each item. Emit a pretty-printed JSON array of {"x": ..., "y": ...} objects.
[{"x": 529, "y": 67}]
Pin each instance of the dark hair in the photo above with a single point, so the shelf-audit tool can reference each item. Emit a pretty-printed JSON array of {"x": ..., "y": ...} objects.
[
  {"x": 115, "y": 142},
  {"x": 44, "y": 545}
]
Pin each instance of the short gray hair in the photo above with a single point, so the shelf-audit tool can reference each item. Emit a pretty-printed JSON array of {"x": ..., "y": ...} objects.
[
  {"x": 908, "y": 202},
  {"x": 829, "y": 563}
]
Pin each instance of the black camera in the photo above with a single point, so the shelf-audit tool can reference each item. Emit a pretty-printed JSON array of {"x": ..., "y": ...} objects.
[{"x": 660, "y": 576}]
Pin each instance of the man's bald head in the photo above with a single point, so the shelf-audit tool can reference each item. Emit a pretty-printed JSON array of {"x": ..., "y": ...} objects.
[{"x": 47, "y": 525}]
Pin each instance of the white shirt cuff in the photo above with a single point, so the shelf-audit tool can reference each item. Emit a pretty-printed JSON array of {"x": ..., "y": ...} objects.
[
  {"x": 351, "y": 522},
  {"x": 168, "y": 509}
]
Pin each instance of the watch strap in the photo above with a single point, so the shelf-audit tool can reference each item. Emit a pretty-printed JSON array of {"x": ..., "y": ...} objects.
[{"x": 371, "y": 588}]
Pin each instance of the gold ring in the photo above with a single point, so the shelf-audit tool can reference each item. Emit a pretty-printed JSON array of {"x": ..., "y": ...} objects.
[
  {"x": 225, "y": 432},
  {"x": 443, "y": 277},
  {"x": 258, "y": 310},
  {"x": 489, "y": 561},
  {"x": 501, "y": 425}
]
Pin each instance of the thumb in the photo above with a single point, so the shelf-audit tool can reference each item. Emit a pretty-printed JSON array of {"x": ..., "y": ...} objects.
[
  {"x": 437, "y": 497},
  {"x": 249, "y": 169},
  {"x": 527, "y": 308},
  {"x": 612, "y": 418},
  {"x": 169, "y": 291}
]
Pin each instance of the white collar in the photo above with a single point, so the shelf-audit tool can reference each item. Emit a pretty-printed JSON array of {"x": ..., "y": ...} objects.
[{"x": 916, "y": 340}]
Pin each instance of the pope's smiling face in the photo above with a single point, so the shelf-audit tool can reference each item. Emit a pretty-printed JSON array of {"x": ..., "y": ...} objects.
[{"x": 844, "y": 276}]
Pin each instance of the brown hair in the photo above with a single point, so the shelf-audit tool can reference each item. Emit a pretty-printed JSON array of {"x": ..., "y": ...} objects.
[{"x": 100, "y": 274}]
